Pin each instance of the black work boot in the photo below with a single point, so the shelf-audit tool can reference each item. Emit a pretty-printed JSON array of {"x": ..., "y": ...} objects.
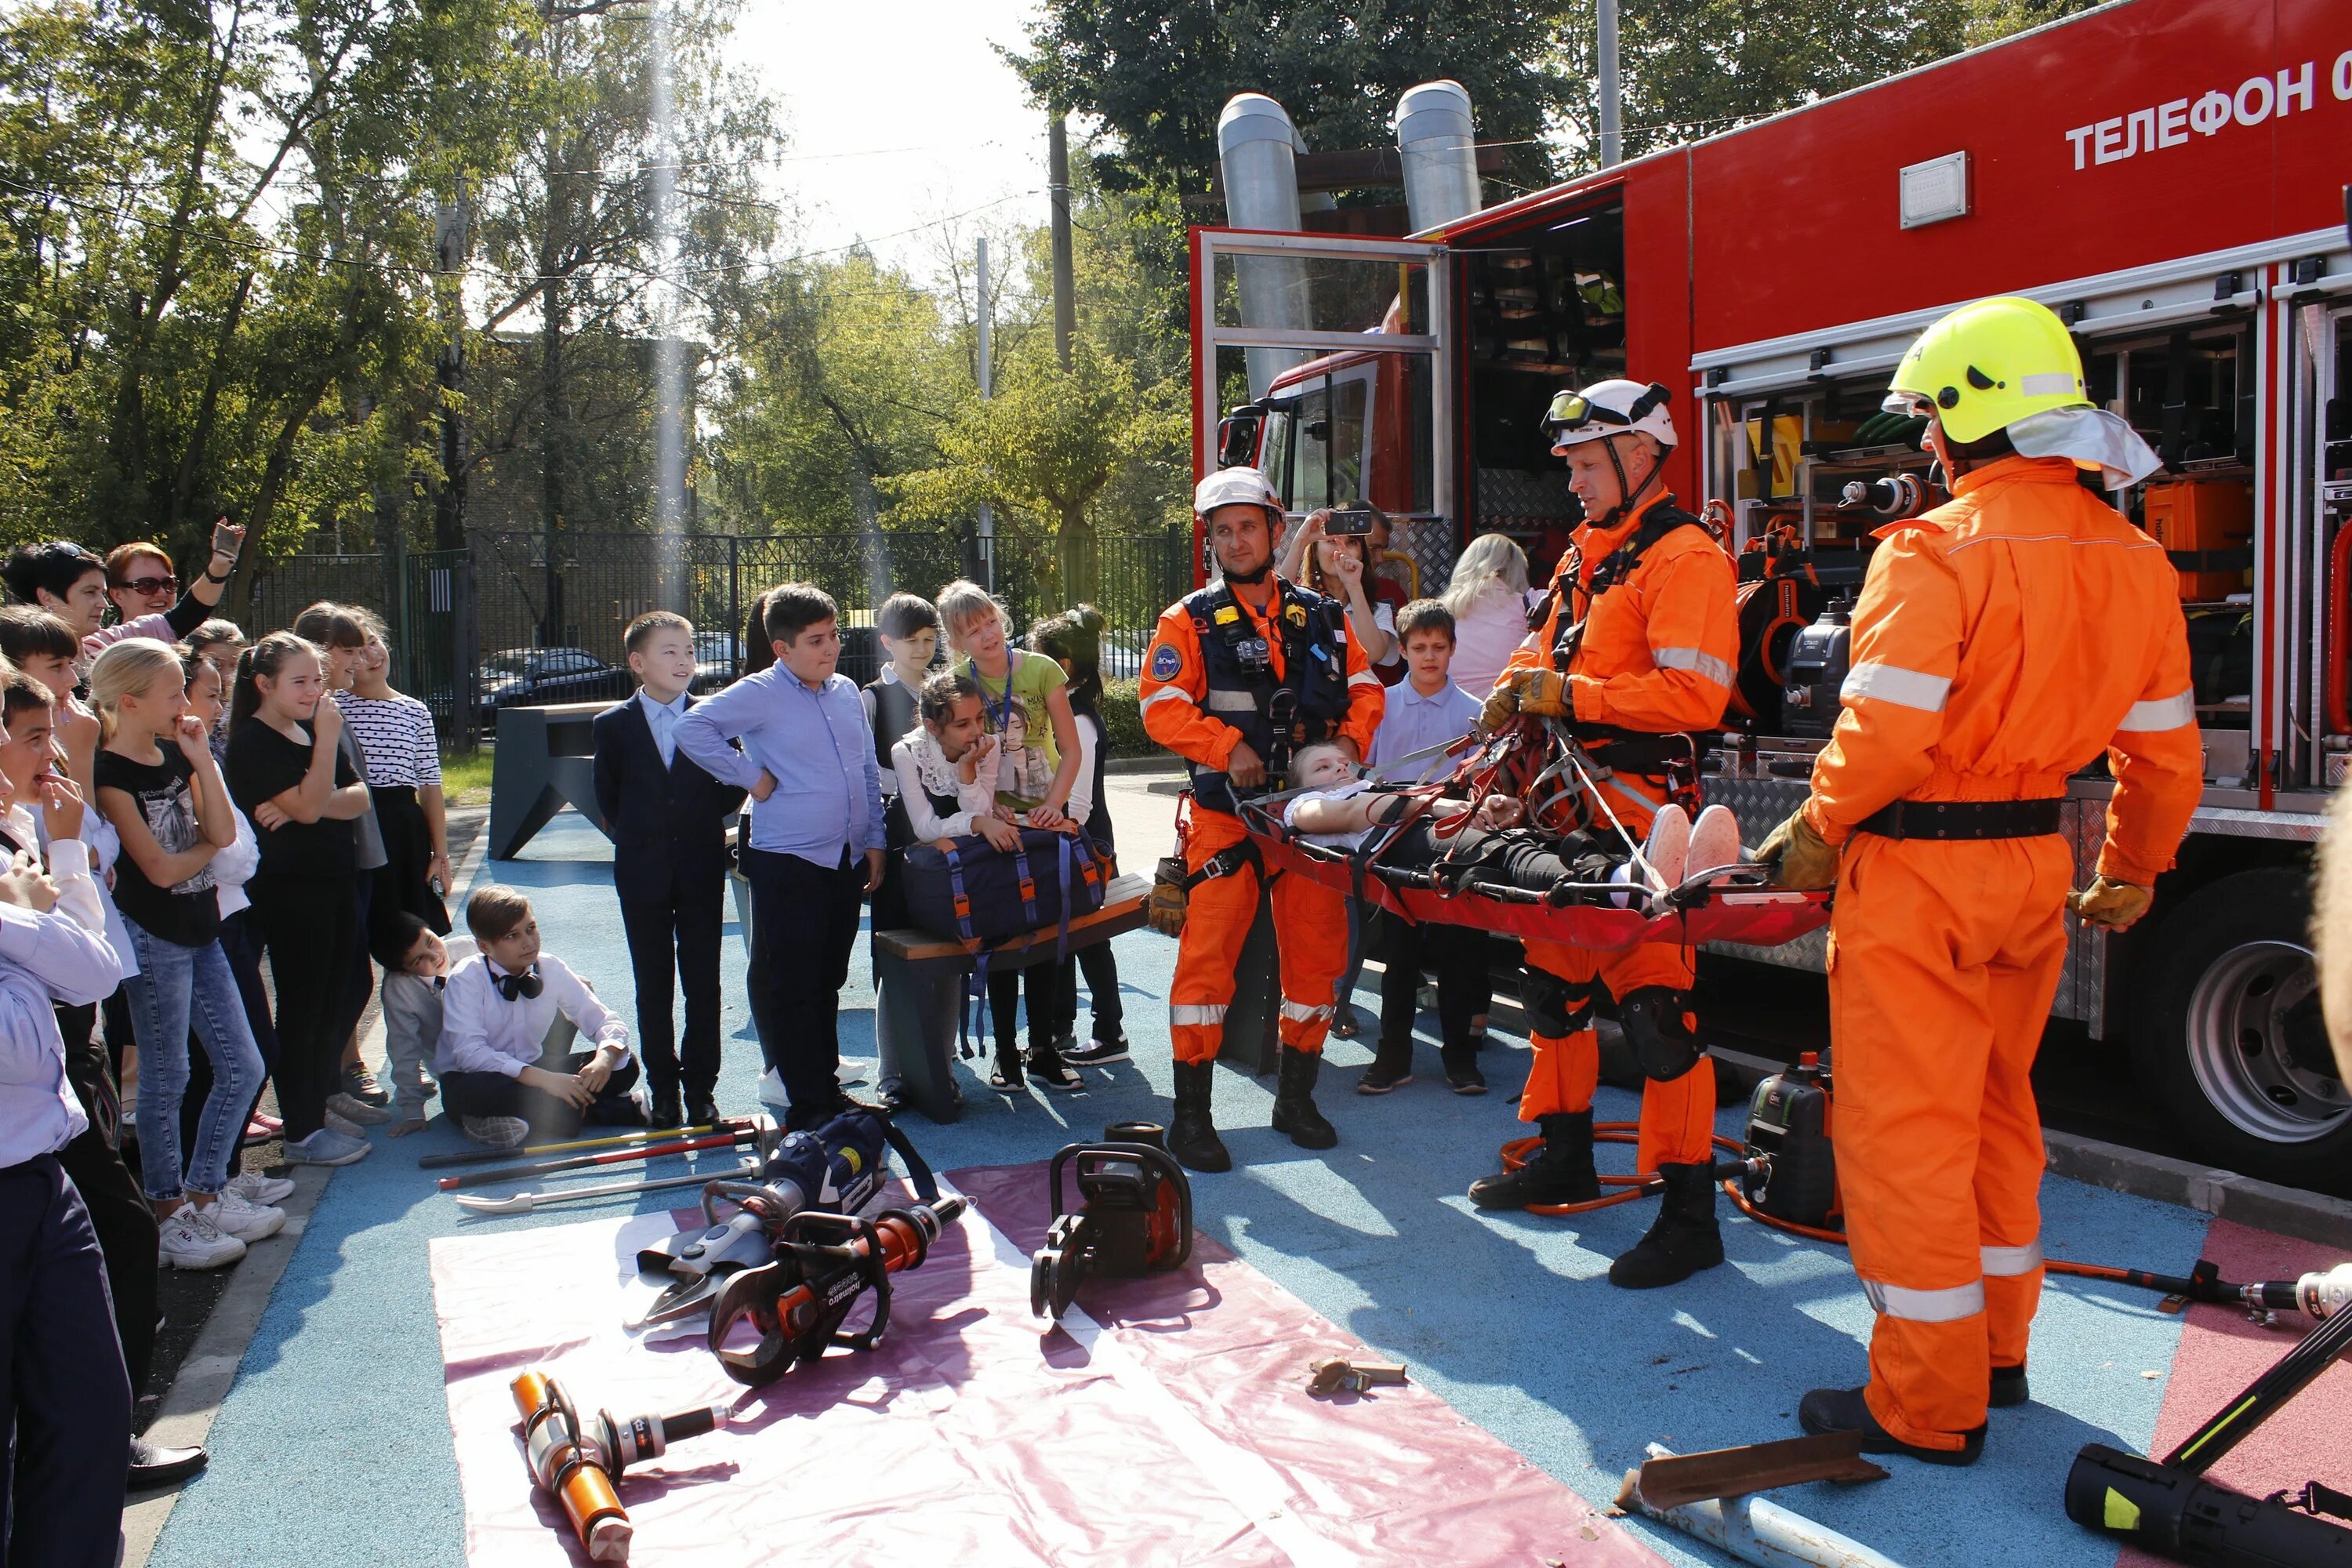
[
  {"x": 1559, "y": 1173},
  {"x": 1294, "y": 1101},
  {"x": 1191, "y": 1136},
  {"x": 1827, "y": 1410},
  {"x": 1682, "y": 1240}
]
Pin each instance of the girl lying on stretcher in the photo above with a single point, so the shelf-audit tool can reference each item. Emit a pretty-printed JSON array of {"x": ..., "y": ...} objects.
[{"x": 1340, "y": 809}]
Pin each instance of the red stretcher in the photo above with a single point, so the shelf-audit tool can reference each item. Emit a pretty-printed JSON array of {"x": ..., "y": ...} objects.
[{"x": 1733, "y": 908}]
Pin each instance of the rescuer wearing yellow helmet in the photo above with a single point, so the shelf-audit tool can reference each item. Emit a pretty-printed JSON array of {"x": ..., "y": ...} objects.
[{"x": 2002, "y": 642}]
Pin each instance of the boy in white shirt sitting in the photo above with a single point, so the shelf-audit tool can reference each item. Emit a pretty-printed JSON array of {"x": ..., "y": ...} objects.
[{"x": 500, "y": 1073}]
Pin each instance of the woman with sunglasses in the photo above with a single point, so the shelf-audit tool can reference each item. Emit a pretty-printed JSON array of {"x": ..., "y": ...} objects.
[{"x": 147, "y": 594}]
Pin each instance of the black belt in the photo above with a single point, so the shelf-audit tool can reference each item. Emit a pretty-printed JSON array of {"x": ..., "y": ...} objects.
[{"x": 1966, "y": 819}]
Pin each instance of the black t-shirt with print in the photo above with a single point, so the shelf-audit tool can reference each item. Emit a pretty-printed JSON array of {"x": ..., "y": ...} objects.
[
  {"x": 186, "y": 912},
  {"x": 264, "y": 764}
]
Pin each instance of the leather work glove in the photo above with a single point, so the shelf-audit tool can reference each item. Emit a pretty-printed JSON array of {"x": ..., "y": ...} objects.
[
  {"x": 2109, "y": 903},
  {"x": 1502, "y": 706},
  {"x": 1544, "y": 694},
  {"x": 1798, "y": 858},
  {"x": 1164, "y": 910}
]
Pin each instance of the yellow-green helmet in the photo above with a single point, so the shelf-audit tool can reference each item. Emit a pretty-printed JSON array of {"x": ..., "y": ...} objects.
[{"x": 1988, "y": 366}]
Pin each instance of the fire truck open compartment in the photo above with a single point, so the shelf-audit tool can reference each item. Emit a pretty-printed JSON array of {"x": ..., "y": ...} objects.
[{"x": 1542, "y": 307}]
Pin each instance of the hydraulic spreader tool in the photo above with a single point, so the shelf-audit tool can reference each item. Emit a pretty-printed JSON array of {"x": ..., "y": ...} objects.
[
  {"x": 1135, "y": 1215},
  {"x": 579, "y": 1463},
  {"x": 2170, "y": 1509}
]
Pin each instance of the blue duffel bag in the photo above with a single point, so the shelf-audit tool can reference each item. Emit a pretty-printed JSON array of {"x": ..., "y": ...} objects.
[{"x": 974, "y": 892}]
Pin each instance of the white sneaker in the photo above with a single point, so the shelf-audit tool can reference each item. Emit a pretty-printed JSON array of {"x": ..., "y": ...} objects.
[
  {"x": 188, "y": 1240},
  {"x": 1714, "y": 842},
  {"x": 325, "y": 1147},
  {"x": 772, "y": 1092},
  {"x": 233, "y": 1216},
  {"x": 259, "y": 1190},
  {"x": 337, "y": 1122},
  {"x": 1669, "y": 846},
  {"x": 352, "y": 1108},
  {"x": 495, "y": 1131}
]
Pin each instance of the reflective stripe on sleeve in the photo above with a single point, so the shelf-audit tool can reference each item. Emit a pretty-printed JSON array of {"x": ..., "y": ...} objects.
[
  {"x": 1180, "y": 1014},
  {"x": 1946, "y": 1306},
  {"x": 1363, "y": 678},
  {"x": 1893, "y": 683},
  {"x": 1302, "y": 1012},
  {"x": 1167, "y": 694},
  {"x": 2176, "y": 712},
  {"x": 1696, "y": 661},
  {"x": 2005, "y": 1261}
]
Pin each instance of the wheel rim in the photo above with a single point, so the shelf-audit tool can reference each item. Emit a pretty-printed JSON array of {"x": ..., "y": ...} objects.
[{"x": 2239, "y": 1045}]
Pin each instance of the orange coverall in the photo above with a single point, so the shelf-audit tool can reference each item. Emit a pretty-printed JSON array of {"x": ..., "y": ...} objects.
[
  {"x": 1310, "y": 921},
  {"x": 2000, "y": 643},
  {"x": 1658, "y": 654}
]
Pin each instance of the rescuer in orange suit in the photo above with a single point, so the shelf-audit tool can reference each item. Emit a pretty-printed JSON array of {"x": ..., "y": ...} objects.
[
  {"x": 2002, "y": 642},
  {"x": 1637, "y": 652},
  {"x": 1239, "y": 674}
]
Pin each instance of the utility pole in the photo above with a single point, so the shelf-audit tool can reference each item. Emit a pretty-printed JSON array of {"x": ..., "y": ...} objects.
[
  {"x": 452, "y": 244},
  {"x": 1612, "y": 140},
  {"x": 1057, "y": 178},
  {"x": 986, "y": 528}
]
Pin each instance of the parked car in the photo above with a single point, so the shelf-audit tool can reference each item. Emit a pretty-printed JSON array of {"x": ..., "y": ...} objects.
[
  {"x": 533, "y": 677},
  {"x": 718, "y": 656}
]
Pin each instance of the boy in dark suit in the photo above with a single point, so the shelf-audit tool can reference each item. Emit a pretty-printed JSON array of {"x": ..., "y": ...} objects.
[{"x": 668, "y": 821}]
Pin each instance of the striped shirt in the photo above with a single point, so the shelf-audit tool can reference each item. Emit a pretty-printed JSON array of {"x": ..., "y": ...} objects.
[{"x": 396, "y": 736}]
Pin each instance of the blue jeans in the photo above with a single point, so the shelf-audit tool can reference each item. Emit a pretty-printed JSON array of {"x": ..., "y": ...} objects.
[{"x": 177, "y": 986}]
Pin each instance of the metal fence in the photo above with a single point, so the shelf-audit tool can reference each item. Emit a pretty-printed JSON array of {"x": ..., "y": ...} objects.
[{"x": 530, "y": 616}]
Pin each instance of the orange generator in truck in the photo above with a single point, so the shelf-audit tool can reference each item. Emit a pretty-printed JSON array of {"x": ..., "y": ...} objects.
[{"x": 2170, "y": 176}]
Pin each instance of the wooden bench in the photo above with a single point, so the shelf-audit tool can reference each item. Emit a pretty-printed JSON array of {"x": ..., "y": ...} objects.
[{"x": 918, "y": 989}]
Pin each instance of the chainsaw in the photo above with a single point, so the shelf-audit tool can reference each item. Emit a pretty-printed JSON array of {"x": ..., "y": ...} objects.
[
  {"x": 1137, "y": 1215},
  {"x": 838, "y": 1167},
  {"x": 824, "y": 1263}
]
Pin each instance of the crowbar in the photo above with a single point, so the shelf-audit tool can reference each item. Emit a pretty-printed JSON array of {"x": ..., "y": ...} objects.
[
  {"x": 524, "y": 1203},
  {"x": 579, "y": 1145}
]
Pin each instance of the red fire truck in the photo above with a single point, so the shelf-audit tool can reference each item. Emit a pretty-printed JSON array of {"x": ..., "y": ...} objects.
[{"x": 2170, "y": 176}]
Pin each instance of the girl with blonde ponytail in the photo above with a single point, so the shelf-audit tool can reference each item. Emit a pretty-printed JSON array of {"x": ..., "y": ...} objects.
[{"x": 160, "y": 789}]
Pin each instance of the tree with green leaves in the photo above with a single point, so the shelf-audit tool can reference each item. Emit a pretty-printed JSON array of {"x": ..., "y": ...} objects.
[
  {"x": 1046, "y": 448},
  {"x": 1158, "y": 76}
]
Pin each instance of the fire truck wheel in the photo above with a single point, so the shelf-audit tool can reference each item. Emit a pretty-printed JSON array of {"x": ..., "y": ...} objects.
[{"x": 2228, "y": 1038}]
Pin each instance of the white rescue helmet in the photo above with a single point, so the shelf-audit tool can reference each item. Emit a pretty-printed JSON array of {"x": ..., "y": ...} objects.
[
  {"x": 1609, "y": 409},
  {"x": 1236, "y": 487}
]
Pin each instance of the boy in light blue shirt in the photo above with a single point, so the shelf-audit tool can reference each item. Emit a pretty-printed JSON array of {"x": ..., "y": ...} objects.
[
  {"x": 807, "y": 759},
  {"x": 1425, "y": 710}
]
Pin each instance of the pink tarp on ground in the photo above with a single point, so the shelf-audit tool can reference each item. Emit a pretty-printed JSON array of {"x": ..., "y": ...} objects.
[
  {"x": 1179, "y": 1434},
  {"x": 2222, "y": 1351}
]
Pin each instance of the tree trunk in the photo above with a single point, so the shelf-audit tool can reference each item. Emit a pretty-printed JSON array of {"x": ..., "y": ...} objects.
[{"x": 1080, "y": 557}]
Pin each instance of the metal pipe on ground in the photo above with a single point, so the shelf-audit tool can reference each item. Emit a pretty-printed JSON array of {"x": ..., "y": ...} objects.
[{"x": 1755, "y": 1530}]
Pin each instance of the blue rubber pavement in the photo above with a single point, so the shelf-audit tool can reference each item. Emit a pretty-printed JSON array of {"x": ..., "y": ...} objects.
[{"x": 334, "y": 1447}]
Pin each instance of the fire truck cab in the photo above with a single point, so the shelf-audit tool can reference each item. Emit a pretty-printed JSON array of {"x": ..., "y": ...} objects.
[{"x": 2170, "y": 176}]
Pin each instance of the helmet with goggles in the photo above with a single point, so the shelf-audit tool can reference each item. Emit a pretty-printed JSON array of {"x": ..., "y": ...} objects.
[{"x": 1609, "y": 409}]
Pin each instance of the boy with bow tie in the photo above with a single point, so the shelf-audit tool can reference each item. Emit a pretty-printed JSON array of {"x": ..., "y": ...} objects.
[{"x": 501, "y": 1074}]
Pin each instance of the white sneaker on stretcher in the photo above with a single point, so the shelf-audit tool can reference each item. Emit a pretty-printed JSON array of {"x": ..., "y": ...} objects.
[
  {"x": 1669, "y": 846},
  {"x": 1714, "y": 843}
]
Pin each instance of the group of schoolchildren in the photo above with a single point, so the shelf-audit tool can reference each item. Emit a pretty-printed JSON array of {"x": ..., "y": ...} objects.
[{"x": 842, "y": 781}]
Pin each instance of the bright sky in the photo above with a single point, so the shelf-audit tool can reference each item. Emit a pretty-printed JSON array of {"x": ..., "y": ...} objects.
[{"x": 900, "y": 114}]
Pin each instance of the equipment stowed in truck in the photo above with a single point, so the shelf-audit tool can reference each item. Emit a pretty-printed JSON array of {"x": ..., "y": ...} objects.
[
  {"x": 1135, "y": 1215},
  {"x": 579, "y": 1463},
  {"x": 837, "y": 1167}
]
